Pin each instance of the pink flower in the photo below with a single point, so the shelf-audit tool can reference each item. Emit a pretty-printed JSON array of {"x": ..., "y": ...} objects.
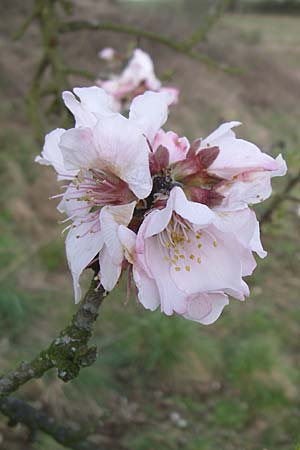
[
  {"x": 137, "y": 77},
  {"x": 188, "y": 259},
  {"x": 105, "y": 159},
  {"x": 175, "y": 215},
  {"x": 220, "y": 171},
  {"x": 245, "y": 170},
  {"x": 176, "y": 146}
]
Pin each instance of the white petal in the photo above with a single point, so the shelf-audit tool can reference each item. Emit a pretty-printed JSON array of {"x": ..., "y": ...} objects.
[
  {"x": 94, "y": 104},
  {"x": 149, "y": 112},
  {"x": 255, "y": 243},
  {"x": 222, "y": 132},
  {"x": 194, "y": 212},
  {"x": 172, "y": 298},
  {"x": 123, "y": 150},
  {"x": 81, "y": 251},
  {"x": 237, "y": 156},
  {"x": 111, "y": 217},
  {"x": 128, "y": 240},
  {"x": 206, "y": 308},
  {"x": 78, "y": 149},
  {"x": 147, "y": 290},
  {"x": 71, "y": 206},
  {"x": 109, "y": 271},
  {"x": 52, "y": 154},
  {"x": 281, "y": 167},
  {"x": 219, "y": 267},
  {"x": 158, "y": 220}
]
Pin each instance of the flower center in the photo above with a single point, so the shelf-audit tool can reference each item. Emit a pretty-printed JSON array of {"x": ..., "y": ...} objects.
[
  {"x": 98, "y": 188},
  {"x": 178, "y": 240}
]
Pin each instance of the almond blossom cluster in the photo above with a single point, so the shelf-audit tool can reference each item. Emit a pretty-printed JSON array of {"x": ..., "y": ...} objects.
[
  {"x": 137, "y": 77},
  {"x": 175, "y": 215}
]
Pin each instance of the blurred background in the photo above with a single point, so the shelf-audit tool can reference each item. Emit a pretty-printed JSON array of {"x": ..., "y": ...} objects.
[{"x": 160, "y": 382}]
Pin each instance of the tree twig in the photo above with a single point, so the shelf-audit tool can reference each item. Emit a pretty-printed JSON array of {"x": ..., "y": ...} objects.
[
  {"x": 179, "y": 47},
  {"x": 68, "y": 353},
  {"x": 209, "y": 21},
  {"x": 18, "y": 411},
  {"x": 278, "y": 199}
]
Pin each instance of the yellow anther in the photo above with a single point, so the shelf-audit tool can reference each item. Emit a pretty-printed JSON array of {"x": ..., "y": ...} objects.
[
  {"x": 182, "y": 256},
  {"x": 192, "y": 256},
  {"x": 215, "y": 244},
  {"x": 199, "y": 245},
  {"x": 199, "y": 260},
  {"x": 177, "y": 269},
  {"x": 187, "y": 268},
  {"x": 166, "y": 258}
]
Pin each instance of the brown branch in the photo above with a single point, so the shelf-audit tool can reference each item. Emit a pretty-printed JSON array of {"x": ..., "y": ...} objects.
[
  {"x": 68, "y": 353},
  {"x": 279, "y": 199},
  {"x": 179, "y": 47},
  {"x": 209, "y": 21},
  {"x": 19, "y": 411}
]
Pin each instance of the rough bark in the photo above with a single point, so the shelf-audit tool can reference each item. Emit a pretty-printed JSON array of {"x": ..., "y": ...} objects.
[{"x": 68, "y": 353}]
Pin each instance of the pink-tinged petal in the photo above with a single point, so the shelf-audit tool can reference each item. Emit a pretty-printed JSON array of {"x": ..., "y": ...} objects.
[
  {"x": 111, "y": 217},
  {"x": 149, "y": 112},
  {"x": 123, "y": 150},
  {"x": 157, "y": 220},
  {"x": 112, "y": 255},
  {"x": 250, "y": 187},
  {"x": 248, "y": 264},
  {"x": 237, "y": 156},
  {"x": 109, "y": 271},
  {"x": 94, "y": 103},
  {"x": 52, "y": 154},
  {"x": 234, "y": 221},
  {"x": 210, "y": 261},
  {"x": 71, "y": 206},
  {"x": 78, "y": 149},
  {"x": 195, "y": 213},
  {"x": 192, "y": 211},
  {"x": 206, "y": 308},
  {"x": 173, "y": 94},
  {"x": 82, "y": 246},
  {"x": 255, "y": 242},
  {"x": 245, "y": 227},
  {"x": 128, "y": 240},
  {"x": 148, "y": 293},
  {"x": 224, "y": 131},
  {"x": 178, "y": 147},
  {"x": 171, "y": 297},
  {"x": 281, "y": 168}
]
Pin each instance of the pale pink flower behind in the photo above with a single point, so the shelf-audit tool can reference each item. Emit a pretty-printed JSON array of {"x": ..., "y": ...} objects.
[
  {"x": 137, "y": 77},
  {"x": 107, "y": 53}
]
